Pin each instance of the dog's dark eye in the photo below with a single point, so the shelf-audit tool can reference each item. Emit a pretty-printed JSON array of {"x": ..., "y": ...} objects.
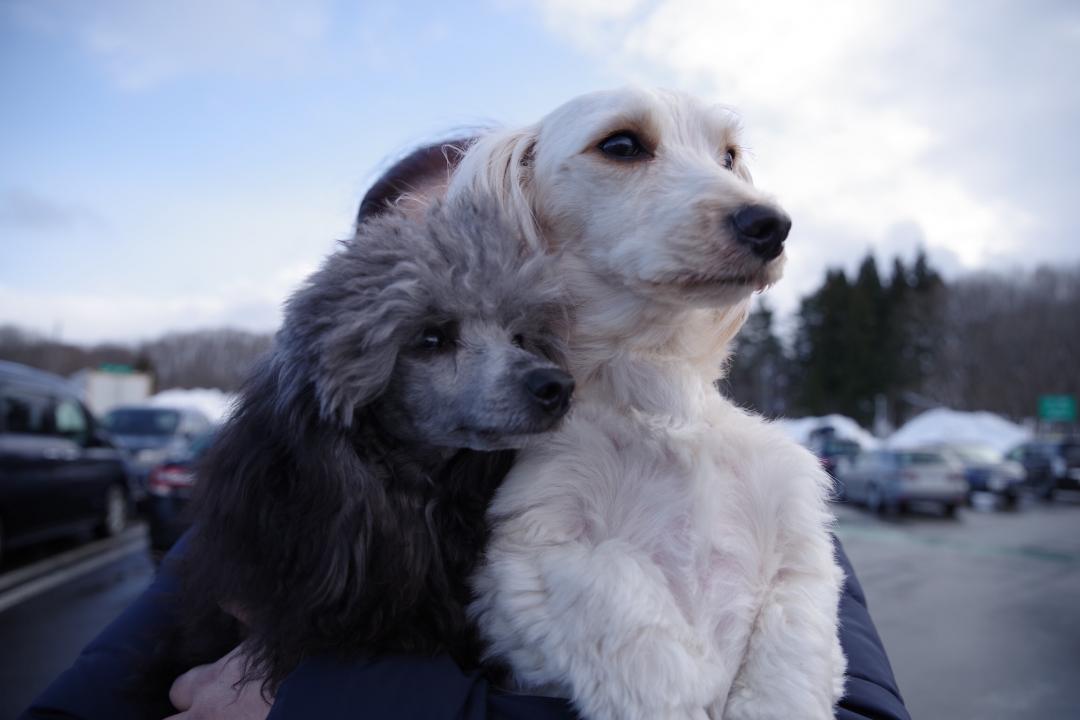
[
  {"x": 518, "y": 340},
  {"x": 623, "y": 145},
  {"x": 729, "y": 159},
  {"x": 436, "y": 338}
]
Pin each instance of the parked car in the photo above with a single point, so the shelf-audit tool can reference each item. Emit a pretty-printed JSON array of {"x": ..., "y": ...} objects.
[
  {"x": 151, "y": 435},
  {"x": 887, "y": 481},
  {"x": 169, "y": 487},
  {"x": 987, "y": 470},
  {"x": 836, "y": 454},
  {"x": 1051, "y": 464},
  {"x": 60, "y": 473}
]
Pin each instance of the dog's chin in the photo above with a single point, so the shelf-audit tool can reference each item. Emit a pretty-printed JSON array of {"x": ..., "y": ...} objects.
[{"x": 699, "y": 288}]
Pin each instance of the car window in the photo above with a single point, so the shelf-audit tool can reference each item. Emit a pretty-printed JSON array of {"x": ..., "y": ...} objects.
[
  {"x": 201, "y": 443},
  {"x": 142, "y": 421},
  {"x": 70, "y": 420},
  {"x": 27, "y": 413},
  {"x": 921, "y": 458},
  {"x": 975, "y": 454}
]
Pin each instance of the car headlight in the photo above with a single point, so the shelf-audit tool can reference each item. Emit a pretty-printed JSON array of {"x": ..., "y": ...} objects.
[{"x": 1057, "y": 466}]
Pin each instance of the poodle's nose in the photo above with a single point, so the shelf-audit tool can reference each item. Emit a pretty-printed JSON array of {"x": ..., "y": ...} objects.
[
  {"x": 550, "y": 389},
  {"x": 763, "y": 228}
]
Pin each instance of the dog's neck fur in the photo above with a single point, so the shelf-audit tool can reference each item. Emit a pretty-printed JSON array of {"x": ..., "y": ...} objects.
[{"x": 634, "y": 353}]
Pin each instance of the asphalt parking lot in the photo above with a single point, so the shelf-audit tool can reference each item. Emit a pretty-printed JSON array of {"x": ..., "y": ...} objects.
[{"x": 980, "y": 615}]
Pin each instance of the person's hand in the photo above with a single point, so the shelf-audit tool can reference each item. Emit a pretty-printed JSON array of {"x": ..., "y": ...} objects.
[{"x": 215, "y": 692}]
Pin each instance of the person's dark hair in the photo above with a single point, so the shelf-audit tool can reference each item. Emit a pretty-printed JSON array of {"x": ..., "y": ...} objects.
[{"x": 410, "y": 172}]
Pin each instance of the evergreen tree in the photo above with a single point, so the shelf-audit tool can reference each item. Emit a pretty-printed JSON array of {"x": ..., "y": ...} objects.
[
  {"x": 868, "y": 338},
  {"x": 820, "y": 352}
]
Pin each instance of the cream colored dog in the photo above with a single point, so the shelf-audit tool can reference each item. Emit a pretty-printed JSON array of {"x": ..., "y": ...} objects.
[{"x": 664, "y": 554}]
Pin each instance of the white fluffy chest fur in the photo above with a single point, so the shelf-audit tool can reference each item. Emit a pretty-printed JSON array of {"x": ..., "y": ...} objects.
[{"x": 633, "y": 555}]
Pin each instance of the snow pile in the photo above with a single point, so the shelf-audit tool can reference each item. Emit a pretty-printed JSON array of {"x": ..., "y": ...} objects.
[
  {"x": 953, "y": 426},
  {"x": 212, "y": 402},
  {"x": 799, "y": 429}
]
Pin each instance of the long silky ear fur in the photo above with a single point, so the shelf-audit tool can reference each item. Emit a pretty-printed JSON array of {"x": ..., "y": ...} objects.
[
  {"x": 276, "y": 485},
  {"x": 500, "y": 165}
]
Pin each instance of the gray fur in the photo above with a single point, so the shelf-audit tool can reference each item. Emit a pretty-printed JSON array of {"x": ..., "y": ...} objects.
[
  {"x": 356, "y": 326},
  {"x": 342, "y": 506}
]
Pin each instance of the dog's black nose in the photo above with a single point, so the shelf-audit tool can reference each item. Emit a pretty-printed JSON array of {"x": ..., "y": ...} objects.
[
  {"x": 763, "y": 228},
  {"x": 551, "y": 389}
]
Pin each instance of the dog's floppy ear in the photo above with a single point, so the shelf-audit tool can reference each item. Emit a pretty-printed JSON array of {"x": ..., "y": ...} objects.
[
  {"x": 356, "y": 366},
  {"x": 344, "y": 327},
  {"x": 500, "y": 165}
]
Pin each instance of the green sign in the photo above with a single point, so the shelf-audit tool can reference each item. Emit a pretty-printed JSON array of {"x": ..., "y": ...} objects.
[
  {"x": 1057, "y": 408},
  {"x": 116, "y": 368}
]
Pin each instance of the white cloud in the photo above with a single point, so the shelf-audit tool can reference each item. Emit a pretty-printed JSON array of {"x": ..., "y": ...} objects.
[
  {"x": 23, "y": 209},
  {"x": 141, "y": 44},
  {"x": 247, "y": 302}
]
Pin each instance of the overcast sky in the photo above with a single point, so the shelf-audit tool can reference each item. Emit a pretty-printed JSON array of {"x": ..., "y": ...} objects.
[{"x": 182, "y": 165}]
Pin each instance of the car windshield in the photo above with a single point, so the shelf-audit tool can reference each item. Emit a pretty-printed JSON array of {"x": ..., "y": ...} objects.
[
  {"x": 142, "y": 421},
  {"x": 920, "y": 458},
  {"x": 841, "y": 447},
  {"x": 976, "y": 454},
  {"x": 201, "y": 443}
]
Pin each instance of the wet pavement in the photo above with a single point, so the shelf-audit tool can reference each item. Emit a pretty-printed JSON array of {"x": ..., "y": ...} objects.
[
  {"x": 41, "y": 636},
  {"x": 980, "y": 615}
]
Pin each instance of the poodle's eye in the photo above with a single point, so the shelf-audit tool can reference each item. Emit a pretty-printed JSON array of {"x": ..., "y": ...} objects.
[
  {"x": 729, "y": 159},
  {"x": 436, "y": 338},
  {"x": 518, "y": 340},
  {"x": 623, "y": 145}
]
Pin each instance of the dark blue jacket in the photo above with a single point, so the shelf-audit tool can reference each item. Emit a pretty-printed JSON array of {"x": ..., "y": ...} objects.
[{"x": 403, "y": 687}]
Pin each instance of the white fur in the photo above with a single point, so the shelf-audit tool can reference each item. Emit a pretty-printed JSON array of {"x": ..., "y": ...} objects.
[{"x": 664, "y": 554}]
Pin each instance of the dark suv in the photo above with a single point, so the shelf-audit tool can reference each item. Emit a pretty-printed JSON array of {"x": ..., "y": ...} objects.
[
  {"x": 59, "y": 472},
  {"x": 1051, "y": 464}
]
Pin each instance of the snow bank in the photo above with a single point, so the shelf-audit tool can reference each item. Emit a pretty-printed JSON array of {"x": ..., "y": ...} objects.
[
  {"x": 953, "y": 426},
  {"x": 799, "y": 429},
  {"x": 212, "y": 402}
]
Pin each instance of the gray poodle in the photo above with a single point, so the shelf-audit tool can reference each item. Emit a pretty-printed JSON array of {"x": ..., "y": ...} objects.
[{"x": 341, "y": 509}]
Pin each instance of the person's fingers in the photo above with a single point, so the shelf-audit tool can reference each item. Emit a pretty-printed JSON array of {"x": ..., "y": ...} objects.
[
  {"x": 186, "y": 687},
  {"x": 182, "y": 692}
]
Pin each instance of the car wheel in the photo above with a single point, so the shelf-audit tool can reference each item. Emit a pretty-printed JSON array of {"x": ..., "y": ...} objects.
[
  {"x": 114, "y": 518},
  {"x": 950, "y": 510},
  {"x": 1009, "y": 502}
]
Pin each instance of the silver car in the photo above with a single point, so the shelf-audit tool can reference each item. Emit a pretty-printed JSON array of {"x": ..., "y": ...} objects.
[
  {"x": 987, "y": 471},
  {"x": 887, "y": 481}
]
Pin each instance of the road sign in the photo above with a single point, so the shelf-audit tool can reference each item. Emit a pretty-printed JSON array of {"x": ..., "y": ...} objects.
[{"x": 1057, "y": 408}]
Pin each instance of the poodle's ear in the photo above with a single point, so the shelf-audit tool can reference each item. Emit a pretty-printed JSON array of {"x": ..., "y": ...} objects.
[
  {"x": 500, "y": 165},
  {"x": 354, "y": 369}
]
